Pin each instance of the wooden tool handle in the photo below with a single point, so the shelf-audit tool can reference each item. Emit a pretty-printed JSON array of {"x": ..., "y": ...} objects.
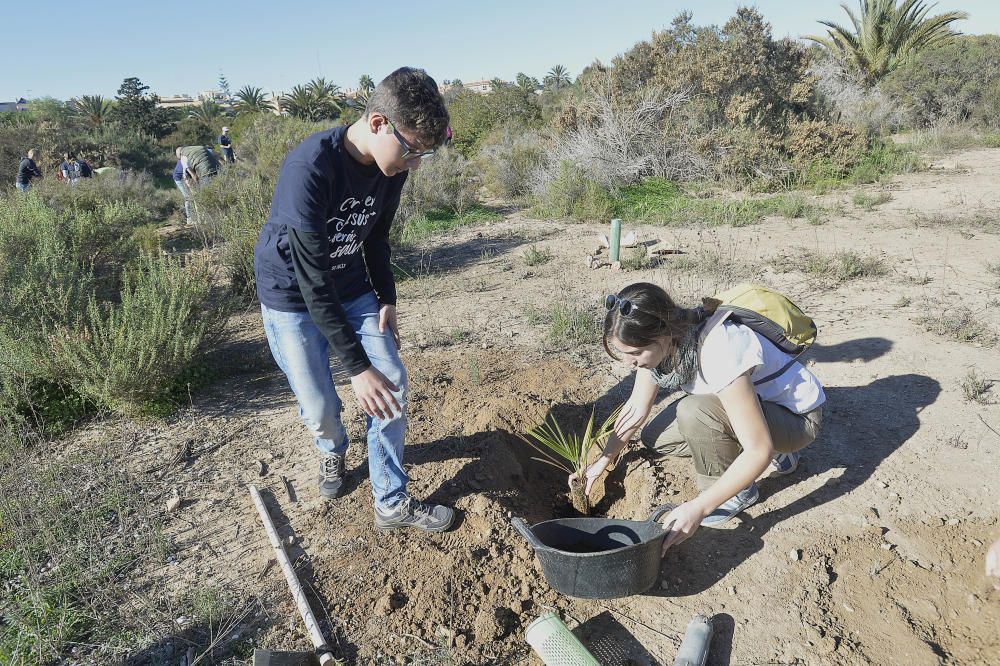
[{"x": 293, "y": 581}]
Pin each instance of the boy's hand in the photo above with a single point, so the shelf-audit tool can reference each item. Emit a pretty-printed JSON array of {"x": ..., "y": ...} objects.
[
  {"x": 374, "y": 393},
  {"x": 387, "y": 317}
]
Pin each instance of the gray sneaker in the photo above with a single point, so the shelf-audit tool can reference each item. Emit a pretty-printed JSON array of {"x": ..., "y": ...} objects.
[
  {"x": 331, "y": 475},
  {"x": 418, "y": 515}
]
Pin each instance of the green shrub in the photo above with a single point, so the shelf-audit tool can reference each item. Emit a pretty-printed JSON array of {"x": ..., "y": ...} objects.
[
  {"x": 153, "y": 205},
  {"x": 954, "y": 83},
  {"x": 443, "y": 184},
  {"x": 239, "y": 226},
  {"x": 508, "y": 160},
  {"x": 572, "y": 195},
  {"x": 126, "y": 355},
  {"x": 85, "y": 319}
]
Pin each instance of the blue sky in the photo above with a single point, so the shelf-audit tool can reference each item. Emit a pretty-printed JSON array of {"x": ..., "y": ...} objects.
[{"x": 64, "y": 49}]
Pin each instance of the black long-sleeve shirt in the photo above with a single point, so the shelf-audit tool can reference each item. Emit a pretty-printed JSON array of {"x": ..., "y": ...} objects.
[
  {"x": 326, "y": 240},
  {"x": 26, "y": 170}
]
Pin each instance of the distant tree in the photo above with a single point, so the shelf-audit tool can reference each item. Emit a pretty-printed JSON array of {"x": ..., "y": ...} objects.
[
  {"x": 251, "y": 100},
  {"x": 885, "y": 35},
  {"x": 316, "y": 100},
  {"x": 365, "y": 88},
  {"x": 557, "y": 78},
  {"x": 526, "y": 83},
  {"x": 224, "y": 86},
  {"x": 136, "y": 110},
  {"x": 207, "y": 113},
  {"x": 92, "y": 109}
]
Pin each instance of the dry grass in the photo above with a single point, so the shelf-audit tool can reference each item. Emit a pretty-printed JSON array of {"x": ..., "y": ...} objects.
[
  {"x": 976, "y": 388},
  {"x": 839, "y": 267},
  {"x": 959, "y": 323}
]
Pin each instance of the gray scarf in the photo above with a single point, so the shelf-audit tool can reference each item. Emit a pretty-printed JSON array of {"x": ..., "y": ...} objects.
[{"x": 680, "y": 367}]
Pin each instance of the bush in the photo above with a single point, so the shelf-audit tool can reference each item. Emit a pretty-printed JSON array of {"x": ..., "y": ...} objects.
[
  {"x": 239, "y": 226},
  {"x": 84, "y": 318},
  {"x": 838, "y": 144},
  {"x": 621, "y": 138},
  {"x": 475, "y": 115},
  {"x": 443, "y": 183},
  {"x": 869, "y": 110},
  {"x": 152, "y": 205},
  {"x": 571, "y": 194},
  {"x": 127, "y": 355},
  {"x": 509, "y": 160},
  {"x": 955, "y": 83}
]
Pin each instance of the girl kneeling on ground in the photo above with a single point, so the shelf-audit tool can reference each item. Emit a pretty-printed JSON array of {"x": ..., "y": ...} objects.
[{"x": 733, "y": 428}]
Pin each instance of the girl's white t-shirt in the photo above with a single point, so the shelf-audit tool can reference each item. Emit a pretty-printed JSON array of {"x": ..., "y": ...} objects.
[{"x": 729, "y": 349}]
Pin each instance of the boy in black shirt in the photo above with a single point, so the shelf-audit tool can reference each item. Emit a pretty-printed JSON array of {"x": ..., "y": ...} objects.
[
  {"x": 26, "y": 170},
  {"x": 326, "y": 286}
]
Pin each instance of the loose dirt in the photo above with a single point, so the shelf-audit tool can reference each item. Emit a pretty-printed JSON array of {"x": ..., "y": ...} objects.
[{"x": 872, "y": 552}]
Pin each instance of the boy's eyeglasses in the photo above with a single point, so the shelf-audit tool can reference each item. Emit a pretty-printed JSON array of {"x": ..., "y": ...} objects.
[
  {"x": 625, "y": 306},
  {"x": 409, "y": 152}
]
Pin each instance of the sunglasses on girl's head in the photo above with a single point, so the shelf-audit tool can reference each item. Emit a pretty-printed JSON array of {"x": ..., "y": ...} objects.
[{"x": 625, "y": 306}]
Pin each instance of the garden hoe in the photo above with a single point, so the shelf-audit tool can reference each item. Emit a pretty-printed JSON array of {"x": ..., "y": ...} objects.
[{"x": 323, "y": 653}]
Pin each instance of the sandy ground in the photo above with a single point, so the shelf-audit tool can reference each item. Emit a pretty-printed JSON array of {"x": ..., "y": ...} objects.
[{"x": 872, "y": 553}]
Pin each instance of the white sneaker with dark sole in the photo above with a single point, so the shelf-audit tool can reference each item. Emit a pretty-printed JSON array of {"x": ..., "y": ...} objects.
[
  {"x": 417, "y": 515},
  {"x": 743, "y": 499},
  {"x": 784, "y": 463}
]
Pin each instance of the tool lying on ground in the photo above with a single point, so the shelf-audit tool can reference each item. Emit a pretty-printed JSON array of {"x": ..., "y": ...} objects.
[{"x": 323, "y": 653}]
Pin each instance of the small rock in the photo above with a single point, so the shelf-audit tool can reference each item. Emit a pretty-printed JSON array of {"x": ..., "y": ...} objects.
[
  {"x": 888, "y": 546},
  {"x": 732, "y": 591},
  {"x": 261, "y": 467},
  {"x": 173, "y": 504},
  {"x": 795, "y": 555},
  {"x": 952, "y": 521}
]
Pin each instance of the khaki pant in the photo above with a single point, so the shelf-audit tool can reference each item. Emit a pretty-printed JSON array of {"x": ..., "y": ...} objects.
[{"x": 697, "y": 426}]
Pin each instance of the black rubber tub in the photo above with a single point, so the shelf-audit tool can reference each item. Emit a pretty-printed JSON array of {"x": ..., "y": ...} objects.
[{"x": 598, "y": 558}]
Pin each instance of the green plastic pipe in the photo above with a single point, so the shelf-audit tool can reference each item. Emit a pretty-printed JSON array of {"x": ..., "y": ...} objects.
[{"x": 616, "y": 240}]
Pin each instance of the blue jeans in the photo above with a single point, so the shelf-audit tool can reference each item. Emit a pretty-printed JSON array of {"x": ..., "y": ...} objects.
[
  {"x": 302, "y": 353},
  {"x": 23, "y": 187},
  {"x": 187, "y": 198}
]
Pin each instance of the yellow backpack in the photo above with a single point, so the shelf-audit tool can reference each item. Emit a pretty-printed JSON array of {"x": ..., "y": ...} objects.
[{"x": 772, "y": 315}]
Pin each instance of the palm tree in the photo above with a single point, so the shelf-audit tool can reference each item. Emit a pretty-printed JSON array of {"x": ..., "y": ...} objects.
[
  {"x": 328, "y": 98},
  {"x": 557, "y": 78},
  {"x": 365, "y": 88},
  {"x": 886, "y": 35},
  {"x": 251, "y": 100},
  {"x": 298, "y": 103},
  {"x": 92, "y": 108},
  {"x": 207, "y": 113}
]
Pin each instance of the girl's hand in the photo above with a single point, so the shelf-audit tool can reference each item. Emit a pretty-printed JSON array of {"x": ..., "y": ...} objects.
[
  {"x": 631, "y": 417},
  {"x": 591, "y": 473},
  {"x": 682, "y": 523}
]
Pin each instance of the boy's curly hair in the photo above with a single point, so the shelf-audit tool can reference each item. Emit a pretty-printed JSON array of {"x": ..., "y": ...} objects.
[{"x": 409, "y": 97}]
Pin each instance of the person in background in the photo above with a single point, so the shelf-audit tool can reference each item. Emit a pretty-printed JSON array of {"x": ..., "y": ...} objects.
[
  {"x": 27, "y": 170},
  {"x": 71, "y": 169},
  {"x": 200, "y": 165},
  {"x": 182, "y": 186},
  {"x": 226, "y": 144}
]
